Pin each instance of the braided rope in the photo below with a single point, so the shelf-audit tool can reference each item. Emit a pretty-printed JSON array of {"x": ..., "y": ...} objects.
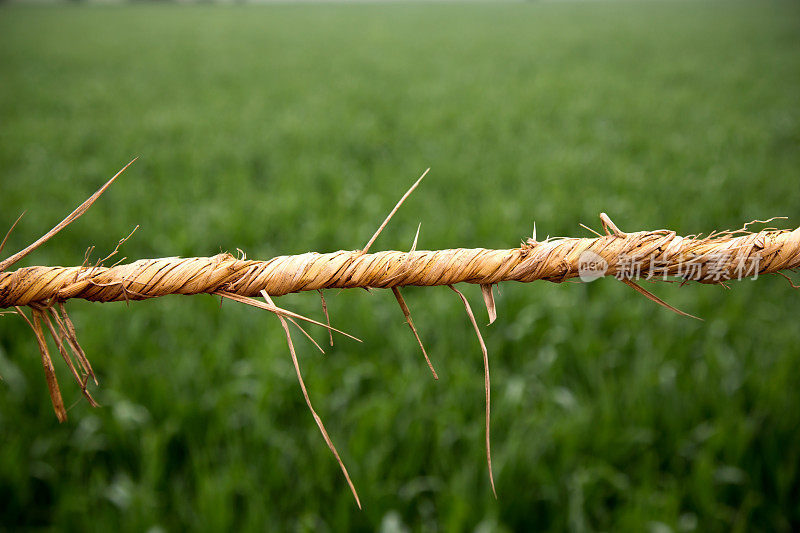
[{"x": 657, "y": 254}]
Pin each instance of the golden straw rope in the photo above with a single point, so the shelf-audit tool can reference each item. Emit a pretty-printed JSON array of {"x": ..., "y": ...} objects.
[{"x": 658, "y": 253}]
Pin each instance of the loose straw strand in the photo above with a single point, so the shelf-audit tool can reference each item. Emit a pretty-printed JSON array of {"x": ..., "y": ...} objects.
[
  {"x": 47, "y": 364},
  {"x": 10, "y": 231},
  {"x": 393, "y": 211},
  {"x": 407, "y": 314},
  {"x": 80, "y": 210},
  {"x": 317, "y": 419},
  {"x": 487, "y": 384},
  {"x": 327, "y": 317}
]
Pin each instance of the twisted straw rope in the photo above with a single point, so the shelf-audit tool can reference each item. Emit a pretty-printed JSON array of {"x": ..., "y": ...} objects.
[
  {"x": 658, "y": 252},
  {"x": 628, "y": 256}
]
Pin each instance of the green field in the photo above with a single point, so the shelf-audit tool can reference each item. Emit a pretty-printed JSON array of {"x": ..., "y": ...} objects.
[{"x": 283, "y": 128}]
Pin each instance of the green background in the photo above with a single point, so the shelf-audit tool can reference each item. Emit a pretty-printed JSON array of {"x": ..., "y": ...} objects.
[{"x": 280, "y": 129}]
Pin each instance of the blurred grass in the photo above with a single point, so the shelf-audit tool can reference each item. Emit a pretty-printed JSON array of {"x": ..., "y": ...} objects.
[{"x": 282, "y": 129}]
